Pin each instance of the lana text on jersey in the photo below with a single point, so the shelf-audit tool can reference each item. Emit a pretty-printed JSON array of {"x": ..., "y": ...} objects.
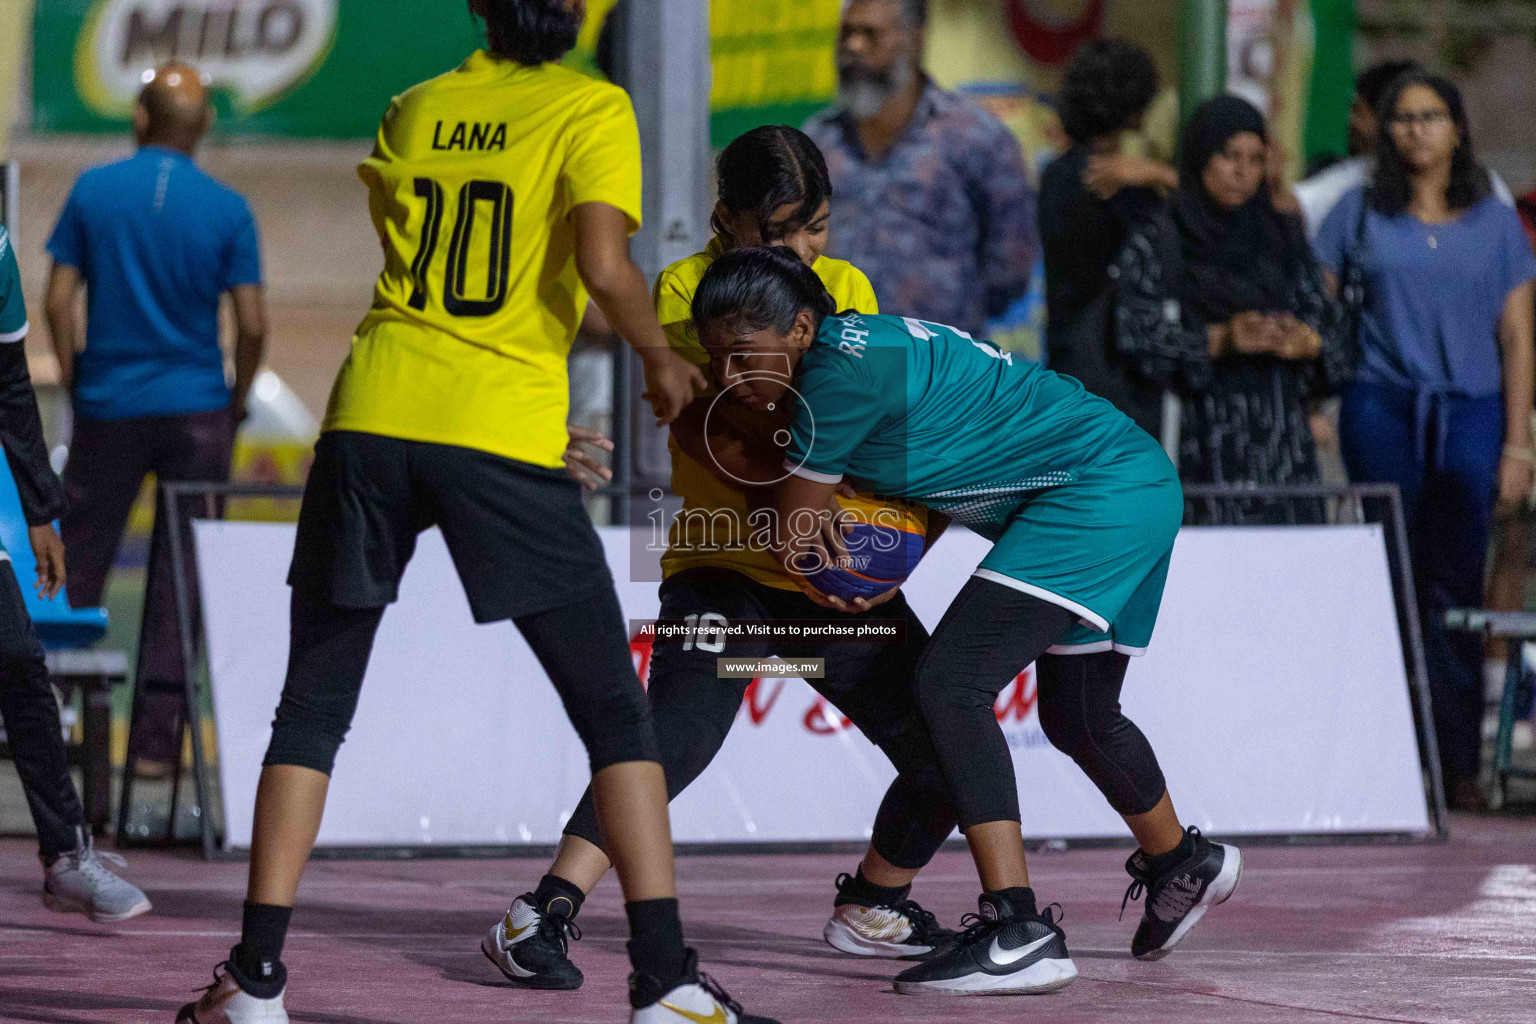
[{"x": 480, "y": 135}]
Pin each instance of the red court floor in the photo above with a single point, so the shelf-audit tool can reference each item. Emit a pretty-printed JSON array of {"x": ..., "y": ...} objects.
[{"x": 1421, "y": 933}]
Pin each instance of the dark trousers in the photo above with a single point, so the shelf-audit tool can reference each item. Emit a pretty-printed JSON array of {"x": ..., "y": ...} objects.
[
  {"x": 1446, "y": 464},
  {"x": 108, "y": 460},
  {"x": 31, "y": 716}
]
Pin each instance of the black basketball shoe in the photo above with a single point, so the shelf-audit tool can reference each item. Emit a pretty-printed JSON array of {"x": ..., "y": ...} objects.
[
  {"x": 1179, "y": 897},
  {"x": 902, "y": 930},
  {"x": 1002, "y": 952},
  {"x": 530, "y": 946}
]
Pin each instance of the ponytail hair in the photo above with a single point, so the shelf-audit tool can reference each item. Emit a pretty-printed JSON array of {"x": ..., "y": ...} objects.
[
  {"x": 767, "y": 169},
  {"x": 757, "y": 288},
  {"x": 529, "y": 32}
]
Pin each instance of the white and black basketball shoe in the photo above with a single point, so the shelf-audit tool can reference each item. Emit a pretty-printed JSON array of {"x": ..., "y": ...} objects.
[
  {"x": 694, "y": 998},
  {"x": 531, "y": 947},
  {"x": 1178, "y": 897},
  {"x": 902, "y": 929},
  {"x": 1003, "y": 951}
]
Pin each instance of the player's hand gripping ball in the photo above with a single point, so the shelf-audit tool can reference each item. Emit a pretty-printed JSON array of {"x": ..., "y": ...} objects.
[{"x": 884, "y": 545}]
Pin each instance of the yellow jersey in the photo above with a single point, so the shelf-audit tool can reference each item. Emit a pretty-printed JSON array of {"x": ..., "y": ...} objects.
[
  {"x": 712, "y": 528},
  {"x": 471, "y": 186}
]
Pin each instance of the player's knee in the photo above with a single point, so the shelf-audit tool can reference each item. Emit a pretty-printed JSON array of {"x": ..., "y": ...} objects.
[
  {"x": 615, "y": 728},
  {"x": 937, "y": 691},
  {"x": 304, "y": 738},
  {"x": 1071, "y": 730},
  {"x": 689, "y": 741},
  {"x": 916, "y": 761}
]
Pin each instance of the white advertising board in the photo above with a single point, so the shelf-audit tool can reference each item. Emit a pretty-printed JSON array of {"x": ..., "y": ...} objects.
[{"x": 1274, "y": 694}]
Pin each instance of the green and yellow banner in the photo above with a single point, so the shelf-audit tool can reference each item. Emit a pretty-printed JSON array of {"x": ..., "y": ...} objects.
[
  {"x": 327, "y": 68},
  {"x": 278, "y": 67}
]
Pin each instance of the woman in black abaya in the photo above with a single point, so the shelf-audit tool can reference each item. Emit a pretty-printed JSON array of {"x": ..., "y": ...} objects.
[{"x": 1220, "y": 298}]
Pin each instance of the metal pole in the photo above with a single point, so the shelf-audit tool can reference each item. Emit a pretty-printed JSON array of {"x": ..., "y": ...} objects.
[
  {"x": 1202, "y": 52},
  {"x": 11, "y": 184},
  {"x": 667, "y": 71},
  {"x": 1419, "y": 667},
  {"x": 190, "y": 690}
]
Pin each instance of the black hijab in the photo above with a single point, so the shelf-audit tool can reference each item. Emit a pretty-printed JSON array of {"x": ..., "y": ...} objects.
[{"x": 1239, "y": 259}]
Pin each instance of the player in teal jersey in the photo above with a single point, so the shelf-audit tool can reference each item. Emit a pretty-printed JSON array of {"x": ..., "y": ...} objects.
[{"x": 1082, "y": 507}]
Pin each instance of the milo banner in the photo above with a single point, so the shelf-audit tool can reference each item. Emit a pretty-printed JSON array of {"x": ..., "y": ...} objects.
[
  {"x": 327, "y": 68},
  {"x": 279, "y": 67}
]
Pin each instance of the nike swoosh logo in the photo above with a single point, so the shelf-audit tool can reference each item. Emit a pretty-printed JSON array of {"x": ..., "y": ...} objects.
[
  {"x": 718, "y": 1017},
  {"x": 513, "y": 934},
  {"x": 1004, "y": 957}
]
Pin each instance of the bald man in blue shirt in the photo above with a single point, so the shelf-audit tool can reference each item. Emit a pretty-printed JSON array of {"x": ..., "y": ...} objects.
[{"x": 157, "y": 243}]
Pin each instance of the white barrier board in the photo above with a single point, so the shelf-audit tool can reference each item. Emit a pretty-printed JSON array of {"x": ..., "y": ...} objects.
[{"x": 1274, "y": 694}]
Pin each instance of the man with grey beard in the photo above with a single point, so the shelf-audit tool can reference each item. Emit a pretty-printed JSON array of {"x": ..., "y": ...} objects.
[{"x": 931, "y": 198}]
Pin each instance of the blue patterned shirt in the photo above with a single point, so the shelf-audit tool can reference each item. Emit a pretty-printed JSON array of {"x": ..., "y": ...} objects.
[{"x": 944, "y": 223}]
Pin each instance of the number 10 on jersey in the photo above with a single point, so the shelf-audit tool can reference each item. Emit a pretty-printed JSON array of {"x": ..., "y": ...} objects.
[{"x": 462, "y": 247}]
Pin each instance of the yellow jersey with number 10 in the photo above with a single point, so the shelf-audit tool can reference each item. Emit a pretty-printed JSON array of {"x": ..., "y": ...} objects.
[
  {"x": 711, "y": 530},
  {"x": 471, "y": 186}
]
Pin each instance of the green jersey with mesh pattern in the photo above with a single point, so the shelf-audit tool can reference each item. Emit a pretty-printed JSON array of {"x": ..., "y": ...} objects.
[{"x": 921, "y": 411}]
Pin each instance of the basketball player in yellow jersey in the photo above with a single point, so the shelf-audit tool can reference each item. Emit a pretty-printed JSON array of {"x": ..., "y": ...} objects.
[
  {"x": 774, "y": 187},
  {"x": 503, "y": 193}
]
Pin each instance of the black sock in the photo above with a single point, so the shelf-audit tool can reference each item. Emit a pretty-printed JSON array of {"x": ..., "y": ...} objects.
[
  {"x": 1164, "y": 862},
  {"x": 557, "y": 896},
  {"x": 258, "y": 964},
  {"x": 1021, "y": 898},
  {"x": 865, "y": 893},
  {"x": 656, "y": 940}
]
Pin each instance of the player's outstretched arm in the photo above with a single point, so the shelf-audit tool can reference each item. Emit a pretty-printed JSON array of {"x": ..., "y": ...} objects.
[{"x": 618, "y": 287}]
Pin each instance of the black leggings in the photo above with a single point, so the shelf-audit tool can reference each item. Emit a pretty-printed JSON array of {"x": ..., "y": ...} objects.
[
  {"x": 987, "y": 637},
  {"x": 870, "y": 682},
  {"x": 583, "y": 648},
  {"x": 31, "y": 717}
]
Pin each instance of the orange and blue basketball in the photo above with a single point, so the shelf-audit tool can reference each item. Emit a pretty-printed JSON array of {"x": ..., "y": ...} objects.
[{"x": 884, "y": 545}]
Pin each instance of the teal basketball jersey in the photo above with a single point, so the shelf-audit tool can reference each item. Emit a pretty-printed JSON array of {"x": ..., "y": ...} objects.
[{"x": 921, "y": 411}]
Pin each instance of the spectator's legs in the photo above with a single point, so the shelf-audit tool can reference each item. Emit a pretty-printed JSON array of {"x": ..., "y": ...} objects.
[
  {"x": 107, "y": 463},
  {"x": 1449, "y": 514},
  {"x": 1455, "y": 519},
  {"x": 108, "y": 460},
  {"x": 1377, "y": 441},
  {"x": 197, "y": 447},
  {"x": 31, "y": 716}
]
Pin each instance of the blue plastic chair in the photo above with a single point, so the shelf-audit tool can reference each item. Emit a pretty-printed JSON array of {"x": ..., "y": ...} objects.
[{"x": 59, "y": 626}]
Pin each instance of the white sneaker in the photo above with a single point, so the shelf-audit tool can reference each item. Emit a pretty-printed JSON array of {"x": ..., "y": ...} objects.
[
  {"x": 901, "y": 930},
  {"x": 79, "y": 882},
  {"x": 225, "y": 1002},
  {"x": 696, "y": 999}
]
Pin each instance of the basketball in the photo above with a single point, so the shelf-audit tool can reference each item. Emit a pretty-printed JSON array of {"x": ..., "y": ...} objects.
[{"x": 884, "y": 546}]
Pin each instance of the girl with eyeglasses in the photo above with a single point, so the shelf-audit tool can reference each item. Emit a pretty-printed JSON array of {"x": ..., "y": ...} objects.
[{"x": 1441, "y": 400}]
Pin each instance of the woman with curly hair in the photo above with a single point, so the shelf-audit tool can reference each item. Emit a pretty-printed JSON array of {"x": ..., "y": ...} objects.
[{"x": 1089, "y": 197}]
